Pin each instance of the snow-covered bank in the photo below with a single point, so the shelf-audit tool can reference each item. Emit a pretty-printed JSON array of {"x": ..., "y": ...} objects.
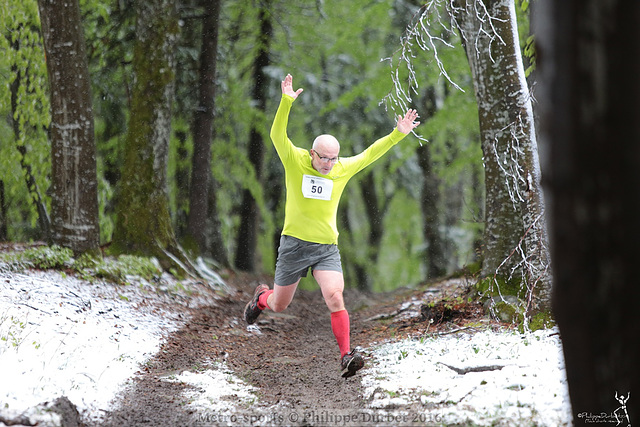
[
  {"x": 61, "y": 336},
  {"x": 484, "y": 378}
]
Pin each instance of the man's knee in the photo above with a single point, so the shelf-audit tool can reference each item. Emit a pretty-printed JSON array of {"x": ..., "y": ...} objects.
[{"x": 335, "y": 300}]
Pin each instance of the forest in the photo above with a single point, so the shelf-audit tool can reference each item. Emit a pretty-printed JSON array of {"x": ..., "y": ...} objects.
[
  {"x": 219, "y": 183},
  {"x": 143, "y": 128}
]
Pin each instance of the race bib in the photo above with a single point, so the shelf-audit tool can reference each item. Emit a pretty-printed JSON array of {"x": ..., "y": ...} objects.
[{"x": 314, "y": 187}]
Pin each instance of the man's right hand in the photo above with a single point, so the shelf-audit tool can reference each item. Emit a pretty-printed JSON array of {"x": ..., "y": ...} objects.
[{"x": 287, "y": 87}]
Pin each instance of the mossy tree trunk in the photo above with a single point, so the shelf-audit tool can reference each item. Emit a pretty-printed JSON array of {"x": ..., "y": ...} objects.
[
  {"x": 143, "y": 224},
  {"x": 590, "y": 115},
  {"x": 74, "y": 184},
  {"x": 515, "y": 239}
]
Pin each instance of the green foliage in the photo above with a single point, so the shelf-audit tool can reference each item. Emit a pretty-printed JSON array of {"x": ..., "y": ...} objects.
[
  {"x": 542, "y": 320},
  {"x": 507, "y": 312},
  {"x": 124, "y": 266},
  {"x": 11, "y": 331},
  {"x": 529, "y": 51},
  {"x": 48, "y": 257},
  {"x": 334, "y": 54},
  {"x": 499, "y": 286},
  {"x": 400, "y": 259},
  {"x": 117, "y": 269},
  {"x": 505, "y": 301},
  {"x": 527, "y": 39},
  {"x": 23, "y": 73}
]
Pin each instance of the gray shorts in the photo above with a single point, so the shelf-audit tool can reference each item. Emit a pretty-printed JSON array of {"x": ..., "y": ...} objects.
[{"x": 296, "y": 256}]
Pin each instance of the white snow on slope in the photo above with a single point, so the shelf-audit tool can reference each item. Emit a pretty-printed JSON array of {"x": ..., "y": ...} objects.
[
  {"x": 60, "y": 336},
  {"x": 521, "y": 380}
]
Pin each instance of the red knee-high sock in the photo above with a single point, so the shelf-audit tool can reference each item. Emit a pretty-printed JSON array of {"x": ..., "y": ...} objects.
[
  {"x": 341, "y": 327},
  {"x": 262, "y": 299}
]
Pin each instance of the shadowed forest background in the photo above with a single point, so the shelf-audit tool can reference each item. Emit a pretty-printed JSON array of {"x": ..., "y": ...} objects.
[{"x": 417, "y": 214}]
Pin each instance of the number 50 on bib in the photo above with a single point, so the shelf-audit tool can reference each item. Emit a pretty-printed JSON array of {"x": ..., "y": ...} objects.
[{"x": 315, "y": 187}]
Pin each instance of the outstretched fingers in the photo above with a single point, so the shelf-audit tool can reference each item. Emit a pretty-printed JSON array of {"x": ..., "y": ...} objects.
[
  {"x": 411, "y": 115},
  {"x": 407, "y": 123},
  {"x": 287, "y": 87}
]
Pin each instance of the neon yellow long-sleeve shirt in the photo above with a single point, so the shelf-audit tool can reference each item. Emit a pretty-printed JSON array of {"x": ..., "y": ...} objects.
[{"x": 312, "y": 198}]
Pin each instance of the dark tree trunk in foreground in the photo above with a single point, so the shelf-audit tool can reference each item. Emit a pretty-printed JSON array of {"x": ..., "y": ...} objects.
[
  {"x": 589, "y": 59},
  {"x": 248, "y": 233},
  {"x": 74, "y": 184},
  {"x": 203, "y": 129}
]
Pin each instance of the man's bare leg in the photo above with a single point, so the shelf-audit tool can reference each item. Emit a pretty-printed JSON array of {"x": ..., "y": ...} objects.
[
  {"x": 332, "y": 286},
  {"x": 280, "y": 297},
  {"x": 277, "y": 299}
]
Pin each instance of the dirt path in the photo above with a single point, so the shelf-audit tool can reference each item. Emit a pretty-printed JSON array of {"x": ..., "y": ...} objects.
[{"x": 292, "y": 358}]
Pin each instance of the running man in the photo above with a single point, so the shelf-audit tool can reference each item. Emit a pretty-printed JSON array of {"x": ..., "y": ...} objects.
[{"x": 315, "y": 180}]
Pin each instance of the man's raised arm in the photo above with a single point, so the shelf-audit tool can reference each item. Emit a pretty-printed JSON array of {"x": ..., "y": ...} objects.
[{"x": 278, "y": 134}]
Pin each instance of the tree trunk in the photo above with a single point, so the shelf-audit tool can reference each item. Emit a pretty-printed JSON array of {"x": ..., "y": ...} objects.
[
  {"x": 143, "y": 223},
  {"x": 588, "y": 68},
  {"x": 217, "y": 247},
  {"x": 203, "y": 129},
  {"x": 430, "y": 201},
  {"x": 354, "y": 266},
  {"x": 248, "y": 233},
  {"x": 74, "y": 184},
  {"x": 181, "y": 178},
  {"x": 429, "y": 205},
  {"x": 515, "y": 245}
]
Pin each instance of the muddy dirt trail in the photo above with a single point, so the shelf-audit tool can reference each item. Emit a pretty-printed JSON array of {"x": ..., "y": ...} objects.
[{"x": 291, "y": 358}]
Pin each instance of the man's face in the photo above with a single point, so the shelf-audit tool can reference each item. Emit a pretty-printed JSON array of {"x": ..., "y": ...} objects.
[
  {"x": 323, "y": 161},
  {"x": 324, "y": 155}
]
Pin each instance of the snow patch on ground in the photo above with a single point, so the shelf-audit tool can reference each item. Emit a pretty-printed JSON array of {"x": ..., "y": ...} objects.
[
  {"x": 216, "y": 390},
  {"x": 61, "y": 336},
  {"x": 521, "y": 378}
]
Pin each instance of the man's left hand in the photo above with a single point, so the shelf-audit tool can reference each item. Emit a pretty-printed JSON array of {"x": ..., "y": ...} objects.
[{"x": 407, "y": 123}]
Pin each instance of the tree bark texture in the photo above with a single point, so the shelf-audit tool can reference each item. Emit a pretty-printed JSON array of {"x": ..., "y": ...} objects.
[
  {"x": 143, "y": 222},
  {"x": 515, "y": 237},
  {"x": 203, "y": 128},
  {"x": 216, "y": 243},
  {"x": 589, "y": 60},
  {"x": 248, "y": 233},
  {"x": 74, "y": 185}
]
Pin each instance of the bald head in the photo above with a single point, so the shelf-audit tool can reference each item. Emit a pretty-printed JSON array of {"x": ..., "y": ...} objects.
[
  {"x": 328, "y": 142},
  {"x": 324, "y": 153}
]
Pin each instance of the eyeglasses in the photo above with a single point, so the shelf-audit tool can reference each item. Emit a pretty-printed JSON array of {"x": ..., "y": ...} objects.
[{"x": 326, "y": 159}]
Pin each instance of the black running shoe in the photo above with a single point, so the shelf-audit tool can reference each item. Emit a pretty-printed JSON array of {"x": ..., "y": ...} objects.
[
  {"x": 351, "y": 363},
  {"x": 251, "y": 310}
]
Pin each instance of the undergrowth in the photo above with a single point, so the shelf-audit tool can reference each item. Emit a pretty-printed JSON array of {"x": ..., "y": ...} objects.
[{"x": 119, "y": 269}]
